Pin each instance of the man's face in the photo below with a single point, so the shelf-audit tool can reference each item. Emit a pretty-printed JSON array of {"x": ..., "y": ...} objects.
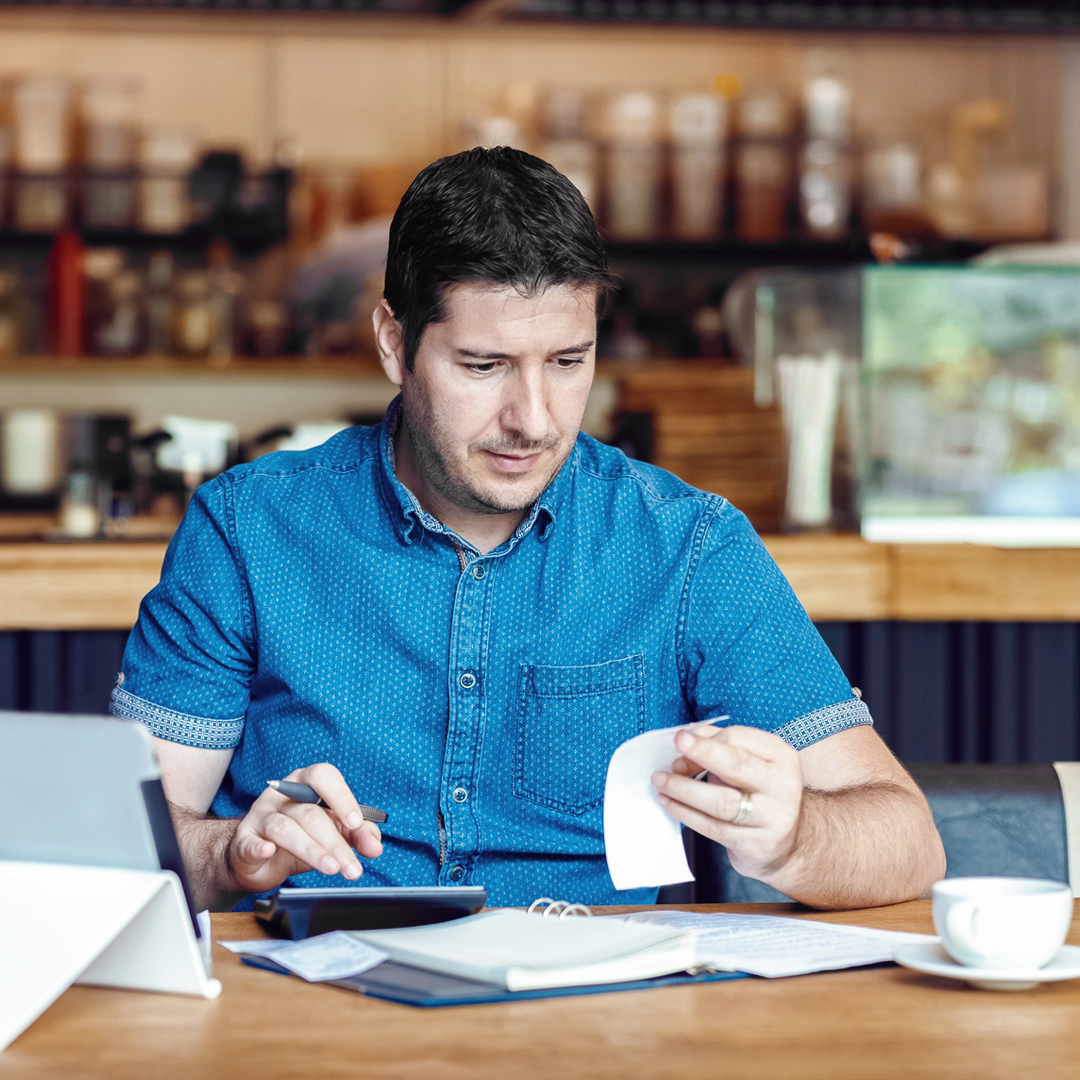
[{"x": 495, "y": 400}]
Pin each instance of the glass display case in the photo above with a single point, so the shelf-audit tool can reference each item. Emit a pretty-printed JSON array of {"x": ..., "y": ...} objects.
[{"x": 971, "y": 377}]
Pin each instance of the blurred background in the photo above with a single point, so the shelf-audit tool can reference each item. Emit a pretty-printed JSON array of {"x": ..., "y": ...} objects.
[{"x": 848, "y": 243}]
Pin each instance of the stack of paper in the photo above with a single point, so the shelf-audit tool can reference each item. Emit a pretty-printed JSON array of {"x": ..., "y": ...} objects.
[{"x": 774, "y": 946}]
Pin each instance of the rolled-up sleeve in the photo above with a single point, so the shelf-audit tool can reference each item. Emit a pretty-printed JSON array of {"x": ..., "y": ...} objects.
[
  {"x": 749, "y": 649},
  {"x": 187, "y": 667}
]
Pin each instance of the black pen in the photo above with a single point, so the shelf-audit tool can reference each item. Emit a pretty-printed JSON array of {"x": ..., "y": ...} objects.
[{"x": 303, "y": 793}]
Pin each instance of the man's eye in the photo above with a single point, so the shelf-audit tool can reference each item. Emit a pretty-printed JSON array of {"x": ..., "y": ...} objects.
[
  {"x": 482, "y": 369},
  {"x": 569, "y": 361}
]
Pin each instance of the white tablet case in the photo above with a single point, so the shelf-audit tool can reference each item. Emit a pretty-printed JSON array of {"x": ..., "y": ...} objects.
[{"x": 100, "y": 926}]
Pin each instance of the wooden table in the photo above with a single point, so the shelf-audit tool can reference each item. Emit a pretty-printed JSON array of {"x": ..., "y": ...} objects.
[{"x": 852, "y": 1025}]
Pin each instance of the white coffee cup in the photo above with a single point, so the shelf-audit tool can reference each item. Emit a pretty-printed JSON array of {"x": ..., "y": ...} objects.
[{"x": 1001, "y": 922}]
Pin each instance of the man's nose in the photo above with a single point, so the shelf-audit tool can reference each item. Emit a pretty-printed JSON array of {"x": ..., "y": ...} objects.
[{"x": 525, "y": 410}]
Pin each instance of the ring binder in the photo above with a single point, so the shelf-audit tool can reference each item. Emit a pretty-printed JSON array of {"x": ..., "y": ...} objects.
[{"x": 561, "y": 909}]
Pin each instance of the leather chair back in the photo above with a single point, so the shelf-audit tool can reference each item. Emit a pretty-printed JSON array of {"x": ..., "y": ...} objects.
[{"x": 994, "y": 820}]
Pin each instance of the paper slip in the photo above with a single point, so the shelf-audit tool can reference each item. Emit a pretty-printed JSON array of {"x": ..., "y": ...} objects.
[
  {"x": 773, "y": 946},
  {"x": 329, "y": 956},
  {"x": 643, "y": 842}
]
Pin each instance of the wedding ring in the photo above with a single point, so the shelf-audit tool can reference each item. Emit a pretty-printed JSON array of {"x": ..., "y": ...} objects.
[{"x": 745, "y": 808}]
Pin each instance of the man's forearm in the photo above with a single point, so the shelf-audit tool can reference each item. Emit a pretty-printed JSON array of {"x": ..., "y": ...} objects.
[
  {"x": 861, "y": 847},
  {"x": 204, "y": 843}
]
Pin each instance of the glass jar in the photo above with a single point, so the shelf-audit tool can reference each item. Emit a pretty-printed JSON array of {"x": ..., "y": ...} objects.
[
  {"x": 763, "y": 166},
  {"x": 633, "y": 167},
  {"x": 167, "y": 157},
  {"x": 42, "y": 152},
  {"x": 697, "y": 164},
  {"x": 108, "y": 116},
  {"x": 118, "y": 327},
  {"x": 567, "y": 144},
  {"x": 193, "y": 313}
]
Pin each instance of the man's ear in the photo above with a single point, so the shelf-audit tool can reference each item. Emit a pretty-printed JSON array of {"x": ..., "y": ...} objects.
[{"x": 390, "y": 341}]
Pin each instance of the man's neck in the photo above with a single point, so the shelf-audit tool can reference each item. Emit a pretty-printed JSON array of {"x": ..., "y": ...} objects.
[{"x": 484, "y": 531}]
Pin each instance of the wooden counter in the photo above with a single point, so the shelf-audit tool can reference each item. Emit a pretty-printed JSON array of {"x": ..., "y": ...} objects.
[{"x": 98, "y": 586}]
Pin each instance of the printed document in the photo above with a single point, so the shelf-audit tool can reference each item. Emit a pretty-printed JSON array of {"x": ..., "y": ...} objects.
[{"x": 774, "y": 946}]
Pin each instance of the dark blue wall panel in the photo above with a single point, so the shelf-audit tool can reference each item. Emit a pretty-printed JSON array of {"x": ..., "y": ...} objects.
[
  {"x": 1007, "y": 693},
  {"x": 59, "y": 670}
]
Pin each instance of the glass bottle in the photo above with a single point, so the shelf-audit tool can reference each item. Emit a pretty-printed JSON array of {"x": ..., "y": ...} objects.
[
  {"x": 226, "y": 286},
  {"x": 825, "y": 166},
  {"x": 159, "y": 303},
  {"x": 825, "y": 175},
  {"x": 9, "y": 314},
  {"x": 118, "y": 327}
]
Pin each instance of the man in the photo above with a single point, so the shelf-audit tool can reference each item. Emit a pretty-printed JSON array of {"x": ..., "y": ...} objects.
[{"x": 460, "y": 614}]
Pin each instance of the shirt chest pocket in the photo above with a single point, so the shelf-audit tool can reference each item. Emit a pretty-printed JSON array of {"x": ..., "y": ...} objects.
[{"x": 570, "y": 720}]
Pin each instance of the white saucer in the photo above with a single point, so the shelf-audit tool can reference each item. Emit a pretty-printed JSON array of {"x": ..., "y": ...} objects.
[{"x": 932, "y": 959}]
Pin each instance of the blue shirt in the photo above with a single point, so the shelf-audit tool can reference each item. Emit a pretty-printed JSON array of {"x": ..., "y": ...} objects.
[{"x": 309, "y": 610}]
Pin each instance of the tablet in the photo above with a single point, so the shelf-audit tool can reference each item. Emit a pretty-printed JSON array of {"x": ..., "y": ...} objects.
[
  {"x": 302, "y": 913},
  {"x": 85, "y": 790}
]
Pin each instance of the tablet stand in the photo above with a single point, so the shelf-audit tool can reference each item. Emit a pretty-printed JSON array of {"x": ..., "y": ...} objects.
[{"x": 95, "y": 925}]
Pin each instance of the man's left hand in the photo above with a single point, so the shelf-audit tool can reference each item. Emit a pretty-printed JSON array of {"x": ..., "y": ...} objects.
[{"x": 754, "y": 777}]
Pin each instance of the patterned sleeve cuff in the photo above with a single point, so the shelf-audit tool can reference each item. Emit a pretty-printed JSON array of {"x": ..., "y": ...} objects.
[
  {"x": 176, "y": 726},
  {"x": 818, "y": 725}
]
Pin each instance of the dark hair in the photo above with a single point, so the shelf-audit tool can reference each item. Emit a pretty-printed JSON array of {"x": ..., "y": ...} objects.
[{"x": 491, "y": 215}]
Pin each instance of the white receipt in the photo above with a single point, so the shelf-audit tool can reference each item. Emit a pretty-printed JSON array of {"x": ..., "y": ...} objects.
[
  {"x": 643, "y": 842},
  {"x": 328, "y": 956},
  {"x": 773, "y": 946}
]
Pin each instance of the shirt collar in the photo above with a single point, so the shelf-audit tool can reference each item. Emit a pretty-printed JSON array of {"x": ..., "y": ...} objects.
[{"x": 411, "y": 519}]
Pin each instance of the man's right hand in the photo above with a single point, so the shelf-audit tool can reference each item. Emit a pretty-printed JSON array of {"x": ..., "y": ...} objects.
[{"x": 279, "y": 837}]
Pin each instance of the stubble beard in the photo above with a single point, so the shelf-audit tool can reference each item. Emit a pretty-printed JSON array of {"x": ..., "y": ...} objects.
[{"x": 431, "y": 460}]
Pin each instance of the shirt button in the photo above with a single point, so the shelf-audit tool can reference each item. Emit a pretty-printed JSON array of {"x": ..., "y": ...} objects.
[
  {"x": 459, "y": 795},
  {"x": 457, "y": 873},
  {"x": 467, "y": 680},
  {"x": 478, "y": 571}
]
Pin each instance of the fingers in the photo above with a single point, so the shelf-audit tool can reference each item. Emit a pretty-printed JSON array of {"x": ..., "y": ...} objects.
[
  {"x": 367, "y": 840},
  {"x": 363, "y": 835},
  {"x": 717, "y": 801},
  {"x": 720, "y": 830},
  {"x": 309, "y": 834},
  {"x": 333, "y": 791},
  {"x": 743, "y": 758},
  {"x": 741, "y": 762},
  {"x": 249, "y": 851}
]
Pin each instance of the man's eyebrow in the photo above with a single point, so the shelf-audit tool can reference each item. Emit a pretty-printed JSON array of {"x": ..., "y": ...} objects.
[
  {"x": 584, "y": 347},
  {"x": 472, "y": 354}
]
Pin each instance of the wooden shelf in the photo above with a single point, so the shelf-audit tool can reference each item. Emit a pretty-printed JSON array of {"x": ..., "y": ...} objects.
[
  {"x": 298, "y": 366},
  {"x": 98, "y": 586}
]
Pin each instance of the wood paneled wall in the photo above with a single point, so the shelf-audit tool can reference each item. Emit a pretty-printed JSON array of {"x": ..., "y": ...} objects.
[{"x": 366, "y": 89}]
